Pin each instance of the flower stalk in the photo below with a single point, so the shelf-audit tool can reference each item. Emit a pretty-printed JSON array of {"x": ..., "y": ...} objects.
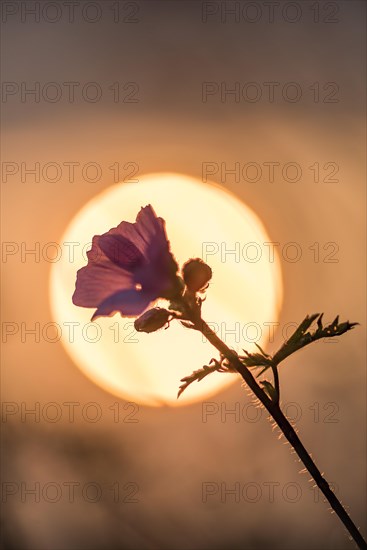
[{"x": 273, "y": 407}]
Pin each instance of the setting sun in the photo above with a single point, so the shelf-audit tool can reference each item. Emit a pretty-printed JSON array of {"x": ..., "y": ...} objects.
[{"x": 245, "y": 292}]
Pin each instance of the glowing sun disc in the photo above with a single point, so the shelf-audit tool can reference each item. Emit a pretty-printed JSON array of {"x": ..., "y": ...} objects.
[{"x": 202, "y": 220}]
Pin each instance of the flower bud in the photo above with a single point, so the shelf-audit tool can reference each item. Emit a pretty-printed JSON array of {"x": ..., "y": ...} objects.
[
  {"x": 152, "y": 320},
  {"x": 196, "y": 274}
]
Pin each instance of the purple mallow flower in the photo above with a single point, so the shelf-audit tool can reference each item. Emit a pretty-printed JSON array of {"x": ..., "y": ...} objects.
[{"x": 128, "y": 267}]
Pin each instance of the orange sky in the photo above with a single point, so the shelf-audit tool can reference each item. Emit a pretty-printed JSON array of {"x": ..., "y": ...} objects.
[{"x": 170, "y": 453}]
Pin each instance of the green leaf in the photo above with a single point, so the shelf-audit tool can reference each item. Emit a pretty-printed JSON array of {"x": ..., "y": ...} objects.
[
  {"x": 299, "y": 339},
  {"x": 219, "y": 366}
]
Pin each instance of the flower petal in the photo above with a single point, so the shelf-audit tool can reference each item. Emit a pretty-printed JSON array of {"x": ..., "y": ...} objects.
[
  {"x": 121, "y": 251},
  {"x": 128, "y": 255},
  {"x": 150, "y": 227},
  {"x": 128, "y": 231},
  {"x": 128, "y": 302},
  {"x": 99, "y": 279}
]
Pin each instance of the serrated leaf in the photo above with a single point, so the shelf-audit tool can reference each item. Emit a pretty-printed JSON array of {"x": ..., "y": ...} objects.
[
  {"x": 300, "y": 338},
  {"x": 201, "y": 373}
]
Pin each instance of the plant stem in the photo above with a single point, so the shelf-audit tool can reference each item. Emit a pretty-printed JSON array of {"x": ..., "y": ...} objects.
[
  {"x": 274, "y": 409},
  {"x": 276, "y": 382}
]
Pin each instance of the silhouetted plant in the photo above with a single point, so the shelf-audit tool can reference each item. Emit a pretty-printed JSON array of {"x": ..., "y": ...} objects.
[{"x": 131, "y": 266}]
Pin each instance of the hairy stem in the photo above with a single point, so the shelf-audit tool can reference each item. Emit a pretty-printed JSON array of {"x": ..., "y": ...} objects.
[{"x": 274, "y": 410}]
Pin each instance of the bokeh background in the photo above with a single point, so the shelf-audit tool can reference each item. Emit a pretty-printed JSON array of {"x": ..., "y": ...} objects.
[{"x": 167, "y": 50}]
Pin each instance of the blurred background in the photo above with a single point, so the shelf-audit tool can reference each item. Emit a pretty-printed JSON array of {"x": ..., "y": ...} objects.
[{"x": 157, "y": 86}]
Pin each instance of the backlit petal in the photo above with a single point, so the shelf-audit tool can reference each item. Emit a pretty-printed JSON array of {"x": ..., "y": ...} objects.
[
  {"x": 99, "y": 279},
  {"x": 121, "y": 251},
  {"x": 128, "y": 302}
]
